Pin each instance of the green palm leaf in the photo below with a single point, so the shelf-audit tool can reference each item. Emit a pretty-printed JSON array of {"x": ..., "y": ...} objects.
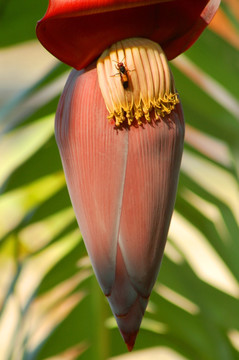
[{"x": 50, "y": 304}]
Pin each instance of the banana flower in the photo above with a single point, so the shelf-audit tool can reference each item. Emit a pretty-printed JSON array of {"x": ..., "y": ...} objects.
[{"x": 120, "y": 129}]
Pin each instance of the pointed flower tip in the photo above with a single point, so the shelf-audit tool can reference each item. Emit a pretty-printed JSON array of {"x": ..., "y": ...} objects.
[
  {"x": 135, "y": 81},
  {"x": 129, "y": 324},
  {"x": 129, "y": 339}
]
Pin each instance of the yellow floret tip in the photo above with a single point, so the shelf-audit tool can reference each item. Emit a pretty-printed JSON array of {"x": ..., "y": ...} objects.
[{"x": 160, "y": 107}]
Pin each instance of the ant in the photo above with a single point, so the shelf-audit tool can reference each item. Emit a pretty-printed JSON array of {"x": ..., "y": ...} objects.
[{"x": 123, "y": 73}]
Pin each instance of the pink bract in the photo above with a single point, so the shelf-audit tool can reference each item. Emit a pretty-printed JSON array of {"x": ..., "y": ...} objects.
[{"x": 122, "y": 184}]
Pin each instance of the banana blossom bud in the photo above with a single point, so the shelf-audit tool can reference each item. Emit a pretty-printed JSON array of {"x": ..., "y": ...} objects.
[{"x": 120, "y": 129}]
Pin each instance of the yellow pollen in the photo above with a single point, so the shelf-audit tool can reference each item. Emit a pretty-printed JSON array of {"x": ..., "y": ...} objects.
[{"x": 136, "y": 81}]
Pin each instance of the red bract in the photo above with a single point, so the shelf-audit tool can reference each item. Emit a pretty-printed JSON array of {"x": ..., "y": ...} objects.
[{"x": 77, "y": 32}]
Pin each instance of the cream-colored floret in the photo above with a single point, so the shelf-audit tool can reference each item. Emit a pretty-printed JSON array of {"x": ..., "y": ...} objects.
[{"x": 150, "y": 85}]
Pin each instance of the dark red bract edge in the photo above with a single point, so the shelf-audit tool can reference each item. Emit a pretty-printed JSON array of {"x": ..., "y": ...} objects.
[{"x": 77, "y": 32}]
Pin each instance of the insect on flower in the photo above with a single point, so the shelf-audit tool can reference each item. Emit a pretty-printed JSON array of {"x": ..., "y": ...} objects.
[{"x": 123, "y": 72}]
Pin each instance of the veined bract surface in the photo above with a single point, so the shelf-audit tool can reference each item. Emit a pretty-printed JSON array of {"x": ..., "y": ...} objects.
[{"x": 122, "y": 174}]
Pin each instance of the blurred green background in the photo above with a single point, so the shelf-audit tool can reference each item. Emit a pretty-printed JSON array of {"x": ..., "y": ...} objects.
[{"x": 51, "y": 307}]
